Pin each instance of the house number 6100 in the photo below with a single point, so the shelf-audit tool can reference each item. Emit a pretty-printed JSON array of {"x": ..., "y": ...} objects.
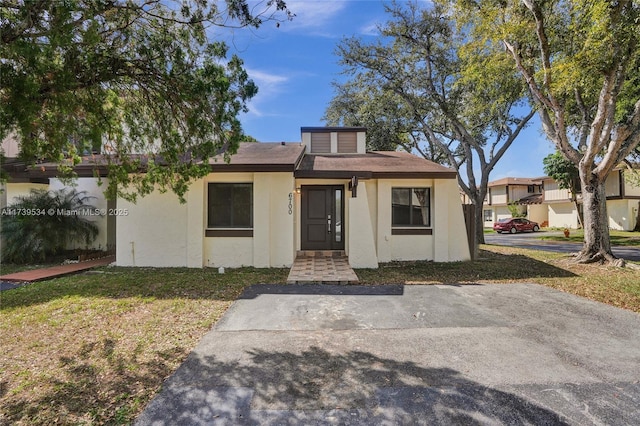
[{"x": 290, "y": 203}]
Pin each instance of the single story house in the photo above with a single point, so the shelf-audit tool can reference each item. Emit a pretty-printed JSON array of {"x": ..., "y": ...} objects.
[{"x": 274, "y": 200}]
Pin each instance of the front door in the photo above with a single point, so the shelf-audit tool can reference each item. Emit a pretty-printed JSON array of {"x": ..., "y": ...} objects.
[{"x": 322, "y": 210}]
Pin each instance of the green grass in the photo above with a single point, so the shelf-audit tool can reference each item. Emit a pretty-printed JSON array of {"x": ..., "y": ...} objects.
[
  {"x": 618, "y": 238},
  {"x": 94, "y": 348}
]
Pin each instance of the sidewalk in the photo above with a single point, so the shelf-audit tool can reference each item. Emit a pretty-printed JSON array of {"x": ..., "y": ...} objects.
[{"x": 56, "y": 271}]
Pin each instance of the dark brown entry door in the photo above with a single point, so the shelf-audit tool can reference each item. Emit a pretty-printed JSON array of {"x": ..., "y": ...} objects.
[{"x": 322, "y": 221}]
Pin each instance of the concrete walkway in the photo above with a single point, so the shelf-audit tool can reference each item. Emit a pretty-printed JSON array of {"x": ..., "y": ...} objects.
[
  {"x": 391, "y": 355},
  {"x": 56, "y": 271}
]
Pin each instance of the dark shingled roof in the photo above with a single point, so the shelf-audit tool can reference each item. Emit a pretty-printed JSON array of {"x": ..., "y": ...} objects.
[
  {"x": 257, "y": 157},
  {"x": 273, "y": 157},
  {"x": 375, "y": 164}
]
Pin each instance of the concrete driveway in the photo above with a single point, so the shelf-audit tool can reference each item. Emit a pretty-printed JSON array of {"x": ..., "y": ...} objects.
[
  {"x": 531, "y": 240},
  {"x": 390, "y": 355}
]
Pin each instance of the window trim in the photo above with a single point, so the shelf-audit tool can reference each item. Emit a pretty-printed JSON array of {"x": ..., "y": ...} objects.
[
  {"x": 408, "y": 229},
  {"x": 231, "y": 230}
]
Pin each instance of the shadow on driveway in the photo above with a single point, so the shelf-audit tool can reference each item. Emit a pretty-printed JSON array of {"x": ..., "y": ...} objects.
[
  {"x": 283, "y": 387},
  {"x": 479, "y": 354}
]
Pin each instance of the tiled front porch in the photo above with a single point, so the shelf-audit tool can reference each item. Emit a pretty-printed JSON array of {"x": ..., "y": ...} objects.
[{"x": 321, "y": 267}]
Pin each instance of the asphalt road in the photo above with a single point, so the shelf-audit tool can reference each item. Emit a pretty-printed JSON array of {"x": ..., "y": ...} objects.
[
  {"x": 420, "y": 355},
  {"x": 531, "y": 240}
]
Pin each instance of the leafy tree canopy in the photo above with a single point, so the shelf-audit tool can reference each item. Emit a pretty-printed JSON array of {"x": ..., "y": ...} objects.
[
  {"x": 562, "y": 171},
  {"x": 425, "y": 86},
  {"x": 131, "y": 76},
  {"x": 580, "y": 61}
]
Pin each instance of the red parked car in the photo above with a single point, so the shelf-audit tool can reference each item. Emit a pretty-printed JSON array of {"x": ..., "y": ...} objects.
[{"x": 515, "y": 224}]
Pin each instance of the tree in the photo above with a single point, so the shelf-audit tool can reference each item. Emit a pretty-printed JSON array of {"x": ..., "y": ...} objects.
[
  {"x": 389, "y": 122},
  {"x": 44, "y": 223},
  {"x": 142, "y": 79},
  {"x": 458, "y": 103},
  {"x": 566, "y": 174},
  {"x": 580, "y": 60}
]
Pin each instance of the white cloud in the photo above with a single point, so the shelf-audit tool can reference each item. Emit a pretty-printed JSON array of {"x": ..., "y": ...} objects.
[
  {"x": 265, "y": 78},
  {"x": 269, "y": 86},
  {"x": 313, "y": 15}
]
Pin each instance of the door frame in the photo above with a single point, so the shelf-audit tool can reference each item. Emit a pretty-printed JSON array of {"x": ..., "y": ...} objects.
[{"x": 331, "y": 198}]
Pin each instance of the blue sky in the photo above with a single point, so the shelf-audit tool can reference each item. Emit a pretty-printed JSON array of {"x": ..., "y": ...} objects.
[{"x": 295, "y": 63}]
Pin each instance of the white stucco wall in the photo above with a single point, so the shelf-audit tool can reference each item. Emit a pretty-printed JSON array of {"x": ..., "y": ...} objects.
[
  {"x": 362, "y": 248},
  {"x": 230, "y": 252},
  {"x": 273, "y": 225},
  {"x": 154, "y": 232},
  {"x": 563, "y": 215},
  {"x": 622, "y": 216},
  {"x": 159, "y": 231},
  {"x": 538, "y": 213},
  {"x": 456, "y": 242}
]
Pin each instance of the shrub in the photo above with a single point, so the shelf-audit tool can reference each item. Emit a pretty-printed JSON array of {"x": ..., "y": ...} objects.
[
  {"x": 32, "y": 228},
  {"x": 516, "y": 210}
]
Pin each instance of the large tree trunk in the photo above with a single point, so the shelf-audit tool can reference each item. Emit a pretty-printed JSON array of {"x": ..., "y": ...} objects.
[
  {"x": 597, "y": 244},
  {"x": 479, "y": 219}
]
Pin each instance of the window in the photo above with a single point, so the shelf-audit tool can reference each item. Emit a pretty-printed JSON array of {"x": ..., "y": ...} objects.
[
  {"x": 230, "y": 205},
  {"x": 411, "y": 207},
  {"x": 320, "y": 142},
  {"x": 347, "y": 142},
  {"x": 488, "y": 216},
  {"x": 531, "y": 189}
]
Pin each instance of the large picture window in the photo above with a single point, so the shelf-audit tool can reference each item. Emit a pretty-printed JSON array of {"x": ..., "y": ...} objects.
[
  {"x": 411, "y": 207},
  {"x": 230, "y": 205}
]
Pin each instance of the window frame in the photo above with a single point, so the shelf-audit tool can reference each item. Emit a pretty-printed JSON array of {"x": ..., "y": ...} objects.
[
  {"x": 409, "y": 229},
  {"x": 231, "y": 230}
]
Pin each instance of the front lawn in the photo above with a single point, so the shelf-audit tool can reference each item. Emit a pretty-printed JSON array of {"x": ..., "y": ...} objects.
[
  {"x": 618, "y": 238},
  {"x": 94, "y": 348}
]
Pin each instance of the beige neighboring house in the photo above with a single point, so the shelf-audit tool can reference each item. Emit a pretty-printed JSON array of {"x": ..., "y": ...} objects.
[
  {"x": 273, "y": 200},
  {"x": 522, "y": 192},
  {"x": 546, "y": 203}
]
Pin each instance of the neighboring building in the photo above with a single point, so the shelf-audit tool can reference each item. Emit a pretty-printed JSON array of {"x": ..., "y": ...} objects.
[
  {"x": 623, "y": 201},
  {"x": 275, "y": 199},
  {"x": 557, "y": 210},
  {"x": 503, "y": 192},
  {"x": 546, "y": 203}
]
